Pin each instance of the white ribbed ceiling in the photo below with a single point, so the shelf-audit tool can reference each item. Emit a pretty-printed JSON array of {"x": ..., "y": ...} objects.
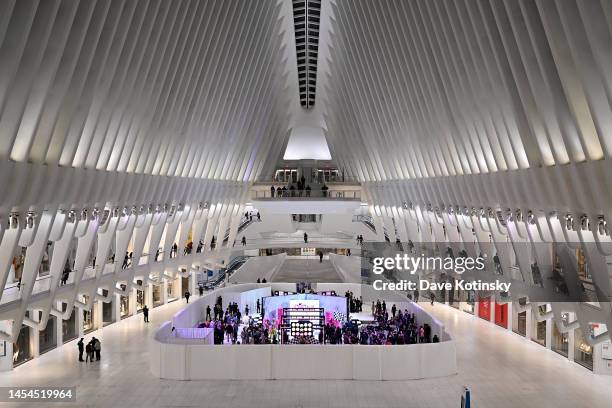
[
  {"x": 183, "y": 87},
  {"x": 428, "y": 88},
  {"x": 208, "y": 89}
]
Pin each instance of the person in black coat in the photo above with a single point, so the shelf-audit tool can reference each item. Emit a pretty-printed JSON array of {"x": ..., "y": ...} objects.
[
  {"x": 81, "y": 346},
  {"x": 145, "y": 313}
]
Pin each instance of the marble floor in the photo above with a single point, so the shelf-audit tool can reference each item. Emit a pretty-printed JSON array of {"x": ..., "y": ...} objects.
[{"x": 502, "y": 369}]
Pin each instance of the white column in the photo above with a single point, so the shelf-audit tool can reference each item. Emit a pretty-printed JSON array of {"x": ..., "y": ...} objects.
[
  {"x": 117, "y": 308},
  {"x": 571, "y": 341},
  {"x": 529, "y": 321},
  {"x": 79, "y": 321},
  {"x": 164, "y": 291},
  {"x": 549, "y": 330},
  {"x": 193, "y": 288},
  {"x": 149, "y": 295},
  {"x": 510, "y": 316},
  {"x": 97, "y": 314},
  {"x": 132, "y": 302},
  {"x": 59, "y": 334},
  {"x": 34, "y": 338}
]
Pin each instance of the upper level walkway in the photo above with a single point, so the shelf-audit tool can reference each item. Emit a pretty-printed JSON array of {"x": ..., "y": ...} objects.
[{"x": 330, "y": 191}]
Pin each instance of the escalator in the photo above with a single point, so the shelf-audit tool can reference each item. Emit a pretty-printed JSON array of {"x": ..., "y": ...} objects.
[{"x": 228, "y": 271}]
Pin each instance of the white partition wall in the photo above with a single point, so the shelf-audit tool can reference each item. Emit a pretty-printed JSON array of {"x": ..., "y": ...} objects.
[{"x": 188, "y": 359}]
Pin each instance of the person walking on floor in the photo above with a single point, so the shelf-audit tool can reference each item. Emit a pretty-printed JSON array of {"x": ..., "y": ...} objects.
[
  {"x": 81, "y": 347},
  {"x": 145, "y": 313},
  {"x": 187, "y": 294},
  {"x": 243, "y": 240},
  {"x": 246, "y": 310},
  {"x": 320, "y": 256},
  {"x": 208, "y": 313},
  {"x": 305, "y": 238}
]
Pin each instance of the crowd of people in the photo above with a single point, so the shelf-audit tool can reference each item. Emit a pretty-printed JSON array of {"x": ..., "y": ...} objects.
[{"x": 390, "y": 327}]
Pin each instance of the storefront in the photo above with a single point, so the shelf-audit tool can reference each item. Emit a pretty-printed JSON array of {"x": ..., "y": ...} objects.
[
  {"x": 454, "y": 295},
  {"x": 69, "y": 327},
  {"x": 583, "y": 351},
  {"x": 560, "y": 341},
  {"x": 88, "y": 317},
  {"x": 501, "y": 315},
  {"x": 157, "y": 295},
  {"x": 484, "y": 308},
  {"x": 468, "y": 301},
  {"x": 171, "y": 290},
  {"x": 140, "y": 300},
  {"x": 519, "y": 320},
  {"x": 47, "y": 338},
  {"x": 538, "y": 334},
  {"x": 107, "y": 313},
  {"x": 21, "y": 348},
  {"x": 124, "y": 306}
]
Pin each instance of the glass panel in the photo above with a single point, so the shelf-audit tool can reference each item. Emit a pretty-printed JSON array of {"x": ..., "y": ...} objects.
[
  {"x": 47, "y": 338},
  {"x": 69, "y": 329},
  {"x": 21, "y": 348},
  {"x": 583, "y": 351},
  {"x": 560, "y": 342}
]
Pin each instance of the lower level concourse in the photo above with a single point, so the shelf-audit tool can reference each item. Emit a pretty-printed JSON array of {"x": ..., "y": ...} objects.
[{"x": 501, "y": 368}]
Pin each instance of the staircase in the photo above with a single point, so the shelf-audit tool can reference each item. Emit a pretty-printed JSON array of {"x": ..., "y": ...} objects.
[{"x": 307, "y": 270}]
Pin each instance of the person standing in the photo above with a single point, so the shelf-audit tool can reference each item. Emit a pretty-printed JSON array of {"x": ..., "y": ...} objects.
[
  {"x": 81, "y": 346},
  {"x": 243, "y": 240},
  {"x": 145, "y": 313},
  {"x": 187, "y": 294},
  {"x": 246, "y": 310},
  {"x": 305, "y": 238},
  {"x": 208, "y": 312},
  {"x": 320, "y": 256},
  {"x": 97, "y": 348},
  {"x": 88, "y": 353},
  {"x": 258, "y": 307}
]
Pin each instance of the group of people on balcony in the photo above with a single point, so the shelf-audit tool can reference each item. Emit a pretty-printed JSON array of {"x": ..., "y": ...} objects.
[{"x": 301, "y": 189}]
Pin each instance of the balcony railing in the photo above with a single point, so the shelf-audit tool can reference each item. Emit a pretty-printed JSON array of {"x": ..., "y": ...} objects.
[{"x": 330, "y": 194}]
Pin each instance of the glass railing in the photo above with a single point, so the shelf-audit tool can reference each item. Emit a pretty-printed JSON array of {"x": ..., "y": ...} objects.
[{"x": 331, "y": 193}]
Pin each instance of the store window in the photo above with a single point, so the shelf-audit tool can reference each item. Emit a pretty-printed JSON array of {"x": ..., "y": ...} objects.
[
  {"x": 583, "y": 351},
  {"x": 469, "y": 300},
  {"x": 170, "y": 290},
  {"x": 124, "y": 305},
  {"x": 157, "y": 295},
  {"x": 560, "y": 341},
  {"x": 69, "y": 328},
  {"x": 21, "y": 348},
  {"x": 501, "y": 315},
  {"x": 88, "y": 317},
  {"x": 140, "y": 300},
  {"x": 539, "y": 332},
  {"x": 47, "y": 338},
  {"x": 519, "y": 320},
  {"x": 107, "y": 313},
  {"x": 484, "y": 308}
]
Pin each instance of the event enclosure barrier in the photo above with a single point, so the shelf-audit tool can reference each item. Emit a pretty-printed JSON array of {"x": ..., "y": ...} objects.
[{"x": 178, "y": 357}]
